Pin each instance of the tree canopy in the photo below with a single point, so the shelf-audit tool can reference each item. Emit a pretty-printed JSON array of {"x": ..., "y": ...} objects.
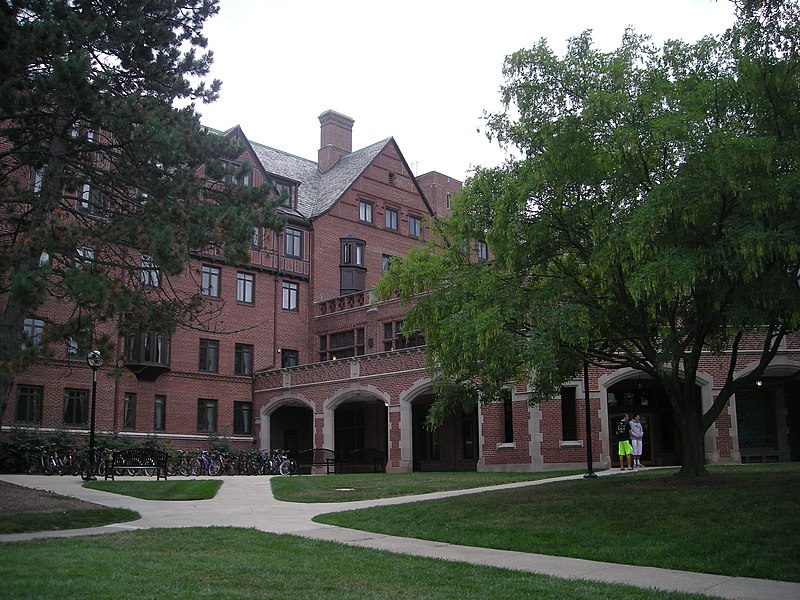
[
  {"x": 653, "y": 217},
  {"x": 101, "y": 169}
]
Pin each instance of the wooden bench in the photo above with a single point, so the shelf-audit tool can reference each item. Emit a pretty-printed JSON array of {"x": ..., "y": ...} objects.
[
  {"x": 364, "y": 460},
  {"x": 317, "y": 458},
  {"x": 147, "y": 460}
]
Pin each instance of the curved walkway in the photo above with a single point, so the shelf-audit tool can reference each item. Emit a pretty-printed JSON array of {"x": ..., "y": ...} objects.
[{"x": 248, "y": 502}]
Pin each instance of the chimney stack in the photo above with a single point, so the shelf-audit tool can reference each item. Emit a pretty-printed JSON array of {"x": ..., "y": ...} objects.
[{"x": 336, "y": 139}]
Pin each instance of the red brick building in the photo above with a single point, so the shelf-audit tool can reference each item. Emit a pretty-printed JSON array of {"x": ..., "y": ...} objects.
[{"x": 297, "y": 355}]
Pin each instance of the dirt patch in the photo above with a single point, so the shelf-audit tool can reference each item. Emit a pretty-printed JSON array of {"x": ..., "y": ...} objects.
[{"x": 15, "y": 499}]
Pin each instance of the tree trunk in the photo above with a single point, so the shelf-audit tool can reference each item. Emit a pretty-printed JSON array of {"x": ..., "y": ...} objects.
[{"x": 693, "y": 455}]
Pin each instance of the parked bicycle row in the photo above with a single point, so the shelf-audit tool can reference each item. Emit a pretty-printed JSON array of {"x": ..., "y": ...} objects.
[{"x": 51, "y": 460}]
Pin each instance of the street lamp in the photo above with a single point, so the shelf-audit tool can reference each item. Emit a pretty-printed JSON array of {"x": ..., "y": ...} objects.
[
  {"x": 590, "y": 471},
  {"x": 95, "y": 360}
]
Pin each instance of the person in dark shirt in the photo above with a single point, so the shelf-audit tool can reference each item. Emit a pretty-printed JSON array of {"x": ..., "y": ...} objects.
[{"x": 623, "y": 432}]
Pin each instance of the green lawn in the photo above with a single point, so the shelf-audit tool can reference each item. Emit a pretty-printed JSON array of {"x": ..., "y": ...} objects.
[
  {"x": 65, "y": 519},
  {"x": 188, "y": 489},
  {"x": 212, "y": 563},
  {"x": 741, "y": 521},
  {"x": 351, "y": 487}
]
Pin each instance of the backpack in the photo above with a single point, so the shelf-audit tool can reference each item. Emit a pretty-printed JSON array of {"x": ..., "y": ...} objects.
[{"x": 621, "y": 429}]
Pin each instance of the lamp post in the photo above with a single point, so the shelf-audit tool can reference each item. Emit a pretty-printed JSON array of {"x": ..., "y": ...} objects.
[
  {"x": 95, "y": 360},
  {"x": 590, "y": 471}
]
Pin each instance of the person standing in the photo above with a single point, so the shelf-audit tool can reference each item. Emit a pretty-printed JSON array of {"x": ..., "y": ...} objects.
[
  {"x": 637, "y": 433},
  {"x": 625, "y": 450}
]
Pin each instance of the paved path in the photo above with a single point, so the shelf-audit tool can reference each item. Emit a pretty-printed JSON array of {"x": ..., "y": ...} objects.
[{"x": 248, "y": 502}]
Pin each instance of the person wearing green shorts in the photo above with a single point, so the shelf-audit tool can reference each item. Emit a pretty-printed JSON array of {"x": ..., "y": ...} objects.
[{"x": 623, "y": 432}]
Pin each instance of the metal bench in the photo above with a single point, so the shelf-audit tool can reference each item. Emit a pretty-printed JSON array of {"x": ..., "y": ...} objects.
[
  {"x": 147, "y": 460},
  {"x": 317, "y": 458}
]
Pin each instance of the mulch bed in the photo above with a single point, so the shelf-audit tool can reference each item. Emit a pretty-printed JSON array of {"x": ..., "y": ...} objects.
[{"x": 15, "y": 499}]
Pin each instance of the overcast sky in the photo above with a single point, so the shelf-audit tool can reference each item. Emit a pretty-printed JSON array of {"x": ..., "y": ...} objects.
[{"x": 421, "y": 71}]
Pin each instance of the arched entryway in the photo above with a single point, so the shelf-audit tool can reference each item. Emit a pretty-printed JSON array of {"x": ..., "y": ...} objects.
[
  {"x": 288, "y": 426},
  {"x": 453, "y": 446},
  {"x": 768, "y": 420},
  {"x": 635, "y": 394},
  {"x": 359, "y": 423}
]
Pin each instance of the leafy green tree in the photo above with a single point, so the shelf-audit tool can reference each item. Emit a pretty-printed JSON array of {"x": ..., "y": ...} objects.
[
  {"x": 653, "y": 217},
  {"x": 102, "y": 165}
]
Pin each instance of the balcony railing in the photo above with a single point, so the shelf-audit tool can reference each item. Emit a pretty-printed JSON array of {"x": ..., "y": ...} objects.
[
  {"x": 267, "y": 259},
  {"x": 342, "y": 303}
]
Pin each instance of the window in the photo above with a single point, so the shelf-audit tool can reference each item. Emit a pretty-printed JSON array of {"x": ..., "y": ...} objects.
[
  {"x": 206, "y": 416},
  {"x": 414, "y": 227},
  {"x": 386, "y": 262},
  {"x": 448, "y": 200},
  {"x": 508, "y": 416},
  {"x": 32, "y": 329},
  {"x": 129, "y": 411},
  {"x": 393, "y": 338},
  {"x": 341, "y": 345},
  {"x": 150, "y": 272},
  {"x": 36, "y": 180},
  {"x": 293, "y": 243},
  {"x": 243, "y": 359},
  {"x": 482, "y": 250},
  {"x": 365, "y": 211},
  {"x": 209, "y": 281},
  {"x": 242, "y": 417},
  {"x": 92, "y": 200},
  {"x": 290, "y": 290},
  {"x": 147, "y": 347},
  {"x": 75, "y": 347},
  {"x": 209, "y": 356},
  {"x": 391, "y": 178},
  {"x": 29, "y": 404},
  {"x": 569, "y": 414},
  {"x": 160, "y": 414},
  {"x": 391, "y": 219},
  {"x": 289, "y": 358},
  {"x": 245, "y": 282},
  {"x": 469, "y": 436},
  {"x": 257, "y": 240},
  {"x": 352, "y": 251},
  {"x": 75, "y": 403},
  {"x": 84, "y": 256},
  {"x": 432, "y": 444},
  {"x": 286, "y": 193}
]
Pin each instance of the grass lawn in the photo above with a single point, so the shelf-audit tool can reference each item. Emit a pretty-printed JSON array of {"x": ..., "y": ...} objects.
[
  {"x": 65, "y": 519},
  {"x": 369, "y": 486},
  {"x": 200, "y": 563},
  {"x": 742, "y": 521},
  {"x": 192, "y": 489}
]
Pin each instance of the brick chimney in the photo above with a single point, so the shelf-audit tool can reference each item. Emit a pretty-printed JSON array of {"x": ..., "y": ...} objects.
[{"x": 336, "y": 139}]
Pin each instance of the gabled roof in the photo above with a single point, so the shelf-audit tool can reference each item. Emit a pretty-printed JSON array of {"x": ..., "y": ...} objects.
[{"x": 318, "y": 192}]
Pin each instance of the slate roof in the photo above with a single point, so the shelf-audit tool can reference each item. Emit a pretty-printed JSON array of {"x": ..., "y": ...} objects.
[{"x": 318, "y": 192}]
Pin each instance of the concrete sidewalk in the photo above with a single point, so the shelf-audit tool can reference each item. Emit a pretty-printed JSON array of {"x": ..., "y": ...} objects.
[{"x": 248, "y": 502}]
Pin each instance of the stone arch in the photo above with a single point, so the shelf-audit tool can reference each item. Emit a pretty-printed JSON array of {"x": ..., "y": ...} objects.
[
  {"x": 352, "y": 393},
  {"x": 765, "y": 416},
  {"x": 619, "y": 378},
  {"x": 267, "y": 411},
  {"x": 417, "y": 389}
]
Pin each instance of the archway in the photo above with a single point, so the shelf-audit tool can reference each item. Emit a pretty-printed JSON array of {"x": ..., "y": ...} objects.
[
  {"x": 768, "y": 416},
  {"x": 453, "y": 446},
  {"x": 287, "y": 424},
  {"x": 360, "y": 422},
  {"x": 639, "y": 395}
]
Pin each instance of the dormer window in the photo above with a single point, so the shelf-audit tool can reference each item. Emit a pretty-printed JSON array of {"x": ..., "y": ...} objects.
[{"x": 286, "y": 192}]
